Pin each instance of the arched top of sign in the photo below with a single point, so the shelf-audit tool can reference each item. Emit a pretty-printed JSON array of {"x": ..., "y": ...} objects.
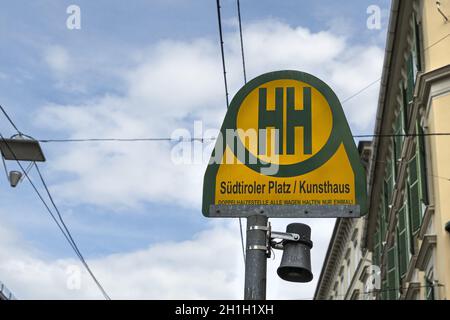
[{"x": 338, "y": 119}]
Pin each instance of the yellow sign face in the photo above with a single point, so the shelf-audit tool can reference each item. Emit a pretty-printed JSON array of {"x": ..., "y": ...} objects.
[{"x": 285, "y": 150}]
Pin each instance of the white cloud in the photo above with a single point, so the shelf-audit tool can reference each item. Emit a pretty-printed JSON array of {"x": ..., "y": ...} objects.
[
  {"x": 178, "y": 78},
  {"x": 57, "y": 59},
  {"x": 272, "y": 44},
  {"x": 188, "y": 269},
  {"x": 208, "y": 266}
]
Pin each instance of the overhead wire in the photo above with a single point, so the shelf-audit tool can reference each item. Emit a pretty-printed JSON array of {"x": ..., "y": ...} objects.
[
  {"x": 360, "y": 91},
  {"x": 125, "y": 140},
  {"x": 219, "y": 20},
  {"x": 238, "y": 4},
  {"x": 72, "y": 244},
  {"x": 75, "y": 246},
  {"x": 61, "y": 224},
  {"x": 222, "y": 51},
  {"x": 379, "y": 79},
  {"x": 402, "y": 135},
  {"x": 227, "y": 95},
  {"x": 9, "y": 119},
  {"x": 437, "y": 42},
  {"x": 203, "y": 140},
  {"x": 6, "y": 169}
]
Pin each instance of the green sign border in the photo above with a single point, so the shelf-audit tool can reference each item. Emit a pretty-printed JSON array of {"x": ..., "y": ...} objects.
[{"x": 340, "y": 134}]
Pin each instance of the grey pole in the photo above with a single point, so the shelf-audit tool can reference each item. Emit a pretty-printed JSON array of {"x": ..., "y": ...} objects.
[{"x": 256, "y": 259}]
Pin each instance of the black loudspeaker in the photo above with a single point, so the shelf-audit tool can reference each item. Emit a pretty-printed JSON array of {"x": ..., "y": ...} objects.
[{"x": 296, "y": 261}]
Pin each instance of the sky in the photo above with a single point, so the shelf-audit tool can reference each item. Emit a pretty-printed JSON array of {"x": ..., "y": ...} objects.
[{"x": 146, "y": 68}]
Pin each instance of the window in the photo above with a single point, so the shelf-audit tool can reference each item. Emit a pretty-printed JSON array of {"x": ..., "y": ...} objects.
[
  {"x": 380, "y": 231},
  {"x": 392, "y": 276},
  {"x": 389, "y": 180},
  {"x": 355, "y": 295},
  {"x": 414, "y": 195},
  {"x": 422, "y": 165},
  {"x": 418, "y": 188},
  {"x": 398, "y": 140},
  {"x": 414, "y": 63},
  {"x": 402, "y": 235},
  {"x": 368, "y": 291},
  {"x": 335, "y": 287},
  {"x": 384, "y": 290},
  {"x": 417, "y": 46},
  {"x": 429, "y": 286},
  {"x": 385, "y": 210},
  {"x": 377, "y": 248},
  {"x": 410, "y": 70},
  {"x": 408, "y": 217},
  {"x": 349, "y": 274},
  {"x": 406, "y": 110},
  {"x": 357, "y": 256}
]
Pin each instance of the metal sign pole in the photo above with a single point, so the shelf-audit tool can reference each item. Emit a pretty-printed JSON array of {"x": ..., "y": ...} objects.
[{"x": 256, "y": 258}]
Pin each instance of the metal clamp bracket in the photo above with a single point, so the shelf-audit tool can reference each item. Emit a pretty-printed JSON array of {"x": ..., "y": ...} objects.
[
  {"x": 265, "y": 248},
  {"x": 256, "y": 247},
  {"x": 271, "y": 238},
  {"x": 284, "y": 236},
  {"x": 263, "y": 228}
]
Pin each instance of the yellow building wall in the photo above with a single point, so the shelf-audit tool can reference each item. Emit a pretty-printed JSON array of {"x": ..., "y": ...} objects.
[
  {"x": 439, "y": 121},
  {"x": 434, "y": 31},
  {"x": 436, "y": 44}
]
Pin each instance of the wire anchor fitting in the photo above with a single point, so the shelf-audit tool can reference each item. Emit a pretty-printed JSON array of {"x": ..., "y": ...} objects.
[{"x": 273, "y": 236}]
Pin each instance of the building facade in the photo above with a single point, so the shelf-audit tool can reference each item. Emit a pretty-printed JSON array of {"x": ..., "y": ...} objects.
[
  {"x": 5, "y": 294},
  {"x": 347, "y": 265},
  {"x": 405, "y": 231}
]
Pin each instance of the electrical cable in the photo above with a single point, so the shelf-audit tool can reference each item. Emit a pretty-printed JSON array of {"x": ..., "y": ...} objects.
[
  {"x": 51, "y": 214},
  {"x": 68, "y": 236},
  {"x": 226, "y": 94},
  {"x": 245, "y": 82},
  {"x": 203, "y": 140},
  {"x": 402, "y": 135},
  {"x": 437, "y": 42},
  {"x": 27, "y": 170},
  {"x": 219, "y": 19},
  {"x": 242, "y": 40},
  {"x": 10, "y": 120},
  {"x": 4, "y": 166},
  {"x": 360, "y": 91},
  {"x": 125, "y": 140},
  {"x": 376, "y": 81}
]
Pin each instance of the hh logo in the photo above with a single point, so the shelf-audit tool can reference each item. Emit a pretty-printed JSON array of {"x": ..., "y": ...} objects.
[{"x": 285, "y": 141}]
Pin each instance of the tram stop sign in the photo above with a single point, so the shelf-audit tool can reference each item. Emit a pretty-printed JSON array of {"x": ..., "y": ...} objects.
[{"x": 285, "y": 150}]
